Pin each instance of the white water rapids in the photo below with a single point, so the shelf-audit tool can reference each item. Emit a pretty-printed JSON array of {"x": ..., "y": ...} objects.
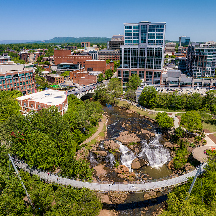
[{"x": 153, "y": 152}]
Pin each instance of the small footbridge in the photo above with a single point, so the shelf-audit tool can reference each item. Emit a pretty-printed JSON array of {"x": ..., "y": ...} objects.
[
  {"x": 87, "y": 94},
  {"x": 140, "y": 186}
]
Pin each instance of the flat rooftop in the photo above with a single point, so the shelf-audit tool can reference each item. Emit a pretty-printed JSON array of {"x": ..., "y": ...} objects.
[{"x": 49, "y": 97}]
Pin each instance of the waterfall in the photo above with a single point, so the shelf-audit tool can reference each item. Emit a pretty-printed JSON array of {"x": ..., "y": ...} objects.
[
  {"x": 154, "y": 152},
  {"x": 93, "y": 161},
  {"x": 110, "y": 159},
  {"x": 127, "y": 156}
]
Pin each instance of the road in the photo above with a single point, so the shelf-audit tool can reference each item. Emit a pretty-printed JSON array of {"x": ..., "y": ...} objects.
[{"x": 85, "y": 89}]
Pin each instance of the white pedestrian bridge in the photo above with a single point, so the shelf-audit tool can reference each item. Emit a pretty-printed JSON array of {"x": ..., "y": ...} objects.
[{"x": 141, "y": 186}]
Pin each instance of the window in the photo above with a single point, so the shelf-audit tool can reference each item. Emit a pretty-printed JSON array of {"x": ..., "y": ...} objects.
[
  {"x": 157, "y": 74},
  {"x": 125, "y": 79},
  {"x": 148, "y": 76},
  {"x": 125, "y": 73},
  {"x": 128, "y": 34},
  {"x": 24, "y": 104},
  {"x": 133, "y": 72},
  {"x": 141, "y": 74},
  {"x": 128, "y": 41},
  {"x": 151, "y": 35},
  {"x": 128, "y": 27}
]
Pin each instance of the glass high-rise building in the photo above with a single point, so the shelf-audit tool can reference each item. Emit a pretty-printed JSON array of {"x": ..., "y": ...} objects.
[{"x": 142, "y": 52}]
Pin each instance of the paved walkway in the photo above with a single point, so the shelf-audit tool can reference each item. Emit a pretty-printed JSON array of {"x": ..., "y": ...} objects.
[
  {"x": 198, "y": 152},
  {"x": 141, "y": 186},
  {"x": 99, "y": 130}
]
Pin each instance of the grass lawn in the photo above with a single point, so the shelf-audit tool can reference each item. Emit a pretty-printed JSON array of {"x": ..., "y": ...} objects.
[
  {"x": 91, "y": 132},
  {"x": 210, "y": 127},
  {"x": 179, "y": 114},
  {"x": 89, "y": 145},
  {"x": 141, "y": 112}
]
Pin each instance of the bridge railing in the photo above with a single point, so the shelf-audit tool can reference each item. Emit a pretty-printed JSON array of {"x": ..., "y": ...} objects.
[{"x": 110, "y": 186}]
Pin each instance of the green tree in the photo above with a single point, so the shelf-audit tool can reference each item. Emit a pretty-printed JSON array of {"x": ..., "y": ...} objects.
[
  {"x": 66, "y": 74},
  {"x": 115, "y": 87},
  {"x": 209, "y": 101},
  {"x": 194, "y": 102},
  {"x": 103, "y": 96},
  {"x": 39, "y": 59},
  {"x": 148, "y": 97},
  {"x": 130, "y": 94},
  {"x": 134, "y": 82},
  {"x": 191, "y": 121},
  {"x": 108, "y": 74},
  {"x": 41, "y": 82},
  {"x": 108, "y": 61},
  {"x": 100, "y": 77},
  {"x": 9, "y": 106},
  {"x": 164, "y": 121},
  {"x": 116, "y": 64}
]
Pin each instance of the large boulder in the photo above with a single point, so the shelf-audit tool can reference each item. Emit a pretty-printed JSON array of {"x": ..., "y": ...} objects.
[
  {"x": 123, "y": 172},
  {"x": 170, "y": 165},
  {"x": 100, "y": 153},
  {"x": 135, "y": 164},
  {"x": 111, "y": 145},
  {"x": 147, "y": 133},
  {"x": 125, "y": 137},
  {"x": 138, "y": 163}
]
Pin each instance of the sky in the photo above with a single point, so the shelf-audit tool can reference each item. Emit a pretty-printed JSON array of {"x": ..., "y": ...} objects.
[{"x": 46, "y": 19}]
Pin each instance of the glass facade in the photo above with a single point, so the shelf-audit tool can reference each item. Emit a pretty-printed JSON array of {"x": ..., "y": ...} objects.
[{"x": 143, "y": 49}]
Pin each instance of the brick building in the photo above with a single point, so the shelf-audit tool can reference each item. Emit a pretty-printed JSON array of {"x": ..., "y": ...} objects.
[
  {"x": 44, "y": 99},
  {"x": 64, "y": 56},
  {"x": 82, "y": 77},
  {"x": 16, "y": 77},
  {"x": 55, "y": 78},
  {"x": 113, "y": 55},
  {"x": 116, "y": 42},
  {"x": 98, "y": 65},
  {"x": 85, "y": 44},
  {"x": 24, "y": 55}
]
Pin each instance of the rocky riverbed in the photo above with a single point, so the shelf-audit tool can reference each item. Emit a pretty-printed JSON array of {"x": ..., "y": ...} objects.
[{"x": 132, "y": 150}]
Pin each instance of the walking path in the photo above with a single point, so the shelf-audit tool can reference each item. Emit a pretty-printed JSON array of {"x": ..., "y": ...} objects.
[
  {"x": 198, "y": 153},
  {"x": 99, "y": 130},
  {"x": 141, "y": 186}
]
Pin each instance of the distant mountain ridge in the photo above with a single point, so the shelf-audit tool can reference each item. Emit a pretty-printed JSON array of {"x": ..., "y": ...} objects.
[
  {"x": 76, "y": 40},
  {"x": 16, "y": 41}
]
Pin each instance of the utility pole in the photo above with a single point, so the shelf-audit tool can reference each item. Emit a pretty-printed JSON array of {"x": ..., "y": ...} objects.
[{"x": 10, "y": 159}]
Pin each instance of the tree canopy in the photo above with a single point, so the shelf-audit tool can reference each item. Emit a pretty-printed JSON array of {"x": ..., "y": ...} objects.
[
  {"x": 191, "y": 121},
  {"x": 148, "y": 97},
  {"x": 108, "y": 74},
  {"x": 164, "y": 121}
]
